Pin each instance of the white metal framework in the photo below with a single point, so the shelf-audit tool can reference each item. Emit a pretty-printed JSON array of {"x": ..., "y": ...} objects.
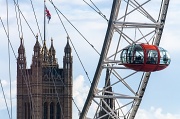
[{"x": 131, "y": 21}]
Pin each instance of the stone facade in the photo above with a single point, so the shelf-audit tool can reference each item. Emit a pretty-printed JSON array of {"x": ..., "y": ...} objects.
[{"x": 44, "y": 91}]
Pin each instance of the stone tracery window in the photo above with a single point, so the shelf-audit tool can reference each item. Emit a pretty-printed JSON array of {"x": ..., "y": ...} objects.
[
  {"x": 58, "y": 111},
  {"x": 52, "y": 110},
  {"x": 45, "y": 110}
]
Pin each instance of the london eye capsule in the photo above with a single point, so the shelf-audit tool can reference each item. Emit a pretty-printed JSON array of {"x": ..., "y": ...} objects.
[{"x": 145, "y": 57}]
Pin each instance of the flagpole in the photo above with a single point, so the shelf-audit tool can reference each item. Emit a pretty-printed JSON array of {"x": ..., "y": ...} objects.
[{"x": 44, "y": 21}]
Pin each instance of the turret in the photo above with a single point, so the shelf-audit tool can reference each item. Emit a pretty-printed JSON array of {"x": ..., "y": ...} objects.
[
  {"x": 67, "y": 68},
  {"x": 21, "y": 72}
]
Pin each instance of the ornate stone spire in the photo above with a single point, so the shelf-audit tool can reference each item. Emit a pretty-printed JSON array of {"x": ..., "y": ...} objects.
[
  {"x": 21, "y": 60},
  {"x": 107, "y": 80},
  {"x": 21, "y": 48},
  {"x": 51, "y": 49},
  {"x": 109, "y": 101},
  {"x": 67, "y": 49},
  {"x": 67, "y": 63},
  {"x": 36, "y": 60},
  {"x": 44, "y": 53},
  {"x": 52, "y": 54},
  {"x": 37, "y": 47}
]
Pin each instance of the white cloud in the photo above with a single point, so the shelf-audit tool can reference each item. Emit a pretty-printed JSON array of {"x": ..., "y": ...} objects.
[
  {"x": 155, "y": 113},
  {"x": 80, "y": 90},
  {"x": 78, "y": 2},
  {"x": 4, "y": 83},
  {"x": 6, "y": 89}
]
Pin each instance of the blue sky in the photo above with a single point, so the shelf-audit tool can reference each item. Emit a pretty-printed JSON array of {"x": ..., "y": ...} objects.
[{"x": 161, "y": 99}]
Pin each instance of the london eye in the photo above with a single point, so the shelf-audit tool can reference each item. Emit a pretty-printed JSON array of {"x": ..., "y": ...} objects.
[{"x": 124, "y": 25}]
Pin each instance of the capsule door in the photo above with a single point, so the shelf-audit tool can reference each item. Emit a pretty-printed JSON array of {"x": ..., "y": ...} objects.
[{"x": 133, "y": 57}]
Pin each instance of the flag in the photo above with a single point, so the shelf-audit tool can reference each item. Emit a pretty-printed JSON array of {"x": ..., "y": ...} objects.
[{"x": 47, "y": 14}]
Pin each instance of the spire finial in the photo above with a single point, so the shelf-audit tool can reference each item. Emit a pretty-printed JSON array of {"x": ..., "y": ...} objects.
[
  {"x": 44, "y": 42},
  {"x": 21, "y": 39},
  {"x": 68, "y": 38},
  {"x": 51, "y": 41},
  {"x": 107, "y": 80},
  {"x": 37, "y": 37}
]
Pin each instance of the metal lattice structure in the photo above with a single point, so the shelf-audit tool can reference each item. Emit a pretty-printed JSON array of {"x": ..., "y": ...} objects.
[{"x": 130, "y": 22}]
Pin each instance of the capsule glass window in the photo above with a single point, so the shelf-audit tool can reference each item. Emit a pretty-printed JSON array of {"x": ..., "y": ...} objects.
[
  {"x": 164, "y": 56},
  {"x": 152, "y": 57},
  {"x": 138, "y": 55}
]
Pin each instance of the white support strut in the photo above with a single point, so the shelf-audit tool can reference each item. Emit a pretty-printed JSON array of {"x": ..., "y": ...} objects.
[{"x": 107, "y": 41}]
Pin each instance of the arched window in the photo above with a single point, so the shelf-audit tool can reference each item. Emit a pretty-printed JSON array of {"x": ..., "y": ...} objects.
[
  {"x": 58, "y": 111},
  {"x": 45, "y": 110},
  {"x": 52, "y": 110},
  {"x": 25, "y": 111}
]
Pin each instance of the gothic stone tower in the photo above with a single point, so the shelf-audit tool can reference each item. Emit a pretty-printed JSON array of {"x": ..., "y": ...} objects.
[
  {"x": 44, "y": 91},
  {"x": 109, "y": 101}
]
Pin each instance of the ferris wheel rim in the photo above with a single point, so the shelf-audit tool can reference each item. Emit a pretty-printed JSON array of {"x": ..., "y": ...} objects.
[{"x": 146, "y": 75}]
